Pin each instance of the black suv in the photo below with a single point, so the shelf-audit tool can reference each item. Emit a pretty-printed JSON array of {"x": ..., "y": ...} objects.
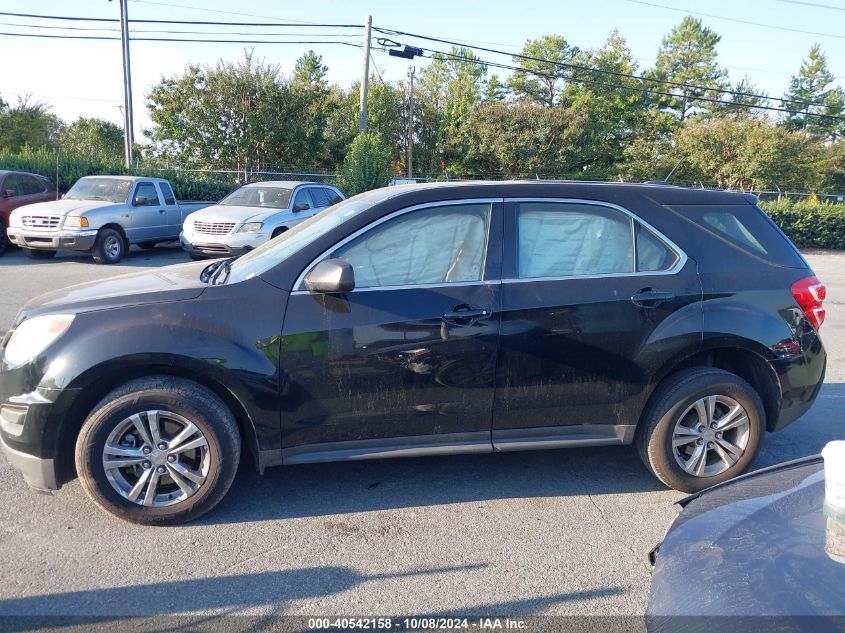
[{"x": 424, "y": 320}]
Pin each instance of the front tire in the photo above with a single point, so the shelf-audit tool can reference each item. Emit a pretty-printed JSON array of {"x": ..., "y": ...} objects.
[
  {"x": 109, "y": 248},
  {"x": 703, "y": 426},
  {"x": 158, "y": 451}
]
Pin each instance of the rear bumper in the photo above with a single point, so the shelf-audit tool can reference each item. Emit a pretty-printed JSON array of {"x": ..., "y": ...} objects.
[
  {"x": 800, "y": 380},
  {"x": 71, "y": 240}
]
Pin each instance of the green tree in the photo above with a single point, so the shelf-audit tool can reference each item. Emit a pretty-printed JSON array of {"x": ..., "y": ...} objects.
[
  {"x": 523, "y": 140},
  {"x": 688, "y": 56},
  {"x": 241, "y": 116},
  {"x": 615, "y": 104},
  {"x": 495, "y": 90},
  {"x": 93, "y": 137},
  {"x": 309, "y": 70},
  {"x": 811, "y": 93},
  {"x": 541, "y": 78},
  {"x": 28, "y": 124},
  {"x": 367, "y": 166},
  {"x": 746, "y": 96},
  {"x": 749, "y": 154}
]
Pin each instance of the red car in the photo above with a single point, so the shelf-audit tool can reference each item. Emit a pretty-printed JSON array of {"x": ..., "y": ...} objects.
[{"x": 18, "y": 188}]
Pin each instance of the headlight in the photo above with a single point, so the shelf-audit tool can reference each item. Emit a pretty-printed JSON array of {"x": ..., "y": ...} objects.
[
  {"x": 76, "y": 222},
  {"x": 34, "y": 335},
  {"x": 251, "y": 227}
]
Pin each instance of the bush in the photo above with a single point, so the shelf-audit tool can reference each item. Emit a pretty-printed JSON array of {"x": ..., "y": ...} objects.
[
  {"x": 66, "y": 168},
  {"x": 367, "y": 165},
  {"x": 809, "y": 224}
]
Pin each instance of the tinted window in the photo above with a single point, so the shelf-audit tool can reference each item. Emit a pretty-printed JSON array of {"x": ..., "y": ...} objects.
[
  {"x": 429, "y": 246},
  {"x": 146, "y": 195},
  {"x": 565, "y": 240},
  {"x": 652, "y": 253},
  {"x": 12, "y": 186},
  {"x": 167, "y": 192},
  {"x": 334, "y": 197},
  {"x": 302, "y": 201},
  {"x": 746, "y": 227},
  {"x": 320, "y": 197},
  {"x": 31, "y": 185}
]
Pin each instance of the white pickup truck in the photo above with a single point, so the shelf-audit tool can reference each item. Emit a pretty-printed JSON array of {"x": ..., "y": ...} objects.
[{"x": 102, "y": 215}]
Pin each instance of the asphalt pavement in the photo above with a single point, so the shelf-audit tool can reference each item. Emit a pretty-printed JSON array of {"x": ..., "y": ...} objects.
[{"x": 548, "y": 532}]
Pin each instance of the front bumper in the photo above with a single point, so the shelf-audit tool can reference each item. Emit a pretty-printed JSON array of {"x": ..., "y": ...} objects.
[
  {"x": 221, "y": 246},
  {"x": 71, "y": 240},
  {"x": 38, "y": 473}
]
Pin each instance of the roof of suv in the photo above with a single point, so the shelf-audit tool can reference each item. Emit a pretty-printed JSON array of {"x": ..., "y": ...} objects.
[{"x": 660, "y": 193}]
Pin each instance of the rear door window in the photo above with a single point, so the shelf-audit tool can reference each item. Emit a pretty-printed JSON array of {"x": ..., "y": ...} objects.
[
  {"x": 321, "y": 200},
  {"x": 572, "y": 240},
  {"x": 746, "y": 227},
  {"x": 167, "y": 193},
  {"x": 31, "y": 185},
  {"x": 653, "y": 255}
]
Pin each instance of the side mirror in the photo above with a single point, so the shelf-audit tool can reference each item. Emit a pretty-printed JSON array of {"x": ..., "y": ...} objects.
[
  {"x": 9, "y": 193},
  {"x": 139, "y": 201},
  {"x": 330, "y": 276},
  {"x": 302, "y": 206}
]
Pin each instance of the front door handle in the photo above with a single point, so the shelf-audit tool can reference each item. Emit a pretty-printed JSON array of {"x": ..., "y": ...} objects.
[
  {"x": 465, "y": 315},
  {"x": 651, "y": 298}
]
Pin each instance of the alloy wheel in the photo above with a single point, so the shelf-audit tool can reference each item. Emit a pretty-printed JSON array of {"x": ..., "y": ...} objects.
[
  {"x": 711, "y": 436},
  {"x": 156, "y": 458}
]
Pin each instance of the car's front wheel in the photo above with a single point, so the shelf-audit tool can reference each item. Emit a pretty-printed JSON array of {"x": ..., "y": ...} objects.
[
  {"x": 109, "y": 248},
  {"x": 703, "y": 426},
  {"x": 158, "y": 451}
]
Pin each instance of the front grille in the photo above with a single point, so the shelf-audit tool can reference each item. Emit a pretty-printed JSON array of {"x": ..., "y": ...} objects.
[
  {"x": 213, "y": 228},
  {"x": 41, "y": 221}
]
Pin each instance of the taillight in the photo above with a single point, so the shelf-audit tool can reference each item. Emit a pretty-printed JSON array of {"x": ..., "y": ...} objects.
[{"x": 810, "y": 293}]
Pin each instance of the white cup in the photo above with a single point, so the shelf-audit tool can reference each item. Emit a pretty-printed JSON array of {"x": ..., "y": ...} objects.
[{"x": 834, "y": 474}]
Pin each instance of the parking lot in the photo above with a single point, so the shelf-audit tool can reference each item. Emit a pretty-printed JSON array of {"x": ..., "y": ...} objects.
[{"x": 550, "y": 532}]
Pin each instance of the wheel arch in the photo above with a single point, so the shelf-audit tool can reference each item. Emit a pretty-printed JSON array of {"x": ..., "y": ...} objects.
[
  {"x": 740, "y": 357},
  {"x": 78, "y": 400}
]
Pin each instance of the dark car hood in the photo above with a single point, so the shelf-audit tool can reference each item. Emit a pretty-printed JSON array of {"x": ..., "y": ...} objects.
[
  {"x": 753, "y": 547},
  {"x": 171, "y": 283}
]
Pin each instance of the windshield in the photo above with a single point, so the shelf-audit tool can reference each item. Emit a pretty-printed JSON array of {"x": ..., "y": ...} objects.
[
  {"x": 268, "y": 197},
  {"x": 109, "y": 189},
  {"x": 293, "y": 240}
]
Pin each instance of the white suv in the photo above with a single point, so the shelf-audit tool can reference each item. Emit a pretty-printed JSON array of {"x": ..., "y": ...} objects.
[{"x": 252, "y": 215}]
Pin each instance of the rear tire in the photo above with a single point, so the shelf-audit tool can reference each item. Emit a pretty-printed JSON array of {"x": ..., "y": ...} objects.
[
  {"x": 109, "y": 248},
  {"x": 156, "y": 483},
  {"x": 702, "y": 426},
  {"x": 37, "y": 253}
]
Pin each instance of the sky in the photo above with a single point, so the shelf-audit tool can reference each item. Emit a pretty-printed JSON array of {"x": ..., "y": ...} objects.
[{"x": 84, "y": 78}]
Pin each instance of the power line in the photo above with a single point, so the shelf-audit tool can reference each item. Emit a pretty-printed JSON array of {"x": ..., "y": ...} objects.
[
  {"x": 187, "y": 22},
  {"x": 814, "y": 4},
  {"x": 178, "y": 31},
  {"x": 618, "y": 86},
  {"x": 176, "y": 39},
  {"x": 170, "y": 5},
  {"x": 737, "y": 20},
  {"x": 588, "y": 69}
]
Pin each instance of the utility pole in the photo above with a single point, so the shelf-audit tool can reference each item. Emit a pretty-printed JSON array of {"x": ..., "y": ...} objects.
[
  {"x": 410, "y": 121},
  {"x": 365, "y": 76},
  {"x": 128, "y": 120}
]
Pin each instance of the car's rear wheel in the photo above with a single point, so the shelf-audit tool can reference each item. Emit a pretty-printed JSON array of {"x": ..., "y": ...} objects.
[
  {"x": 703, "y": 426},
  {"x": 109, "y": 248},
  {"x": 158, "y": 451},
  {"x": 38, "y": 253}
]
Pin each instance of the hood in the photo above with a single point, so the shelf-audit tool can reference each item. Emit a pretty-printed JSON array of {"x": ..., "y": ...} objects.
[
  {"x": 63, "y": 207},
  {"x": 226, "y": 213},
  {"x": 757, "y": 546},
  {"x": 170, "y": 283}
]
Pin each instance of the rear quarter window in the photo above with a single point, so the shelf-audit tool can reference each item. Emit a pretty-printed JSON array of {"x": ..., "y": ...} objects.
[{"x": 745, "y": 227}]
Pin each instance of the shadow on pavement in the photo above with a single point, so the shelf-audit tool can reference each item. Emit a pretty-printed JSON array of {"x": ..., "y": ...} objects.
[{"x": 232, "y": 595}]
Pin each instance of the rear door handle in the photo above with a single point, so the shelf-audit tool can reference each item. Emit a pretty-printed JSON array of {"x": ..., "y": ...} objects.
[
  {"x": 463, "y": 315},
  {"x": 650, "y": 298}
]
